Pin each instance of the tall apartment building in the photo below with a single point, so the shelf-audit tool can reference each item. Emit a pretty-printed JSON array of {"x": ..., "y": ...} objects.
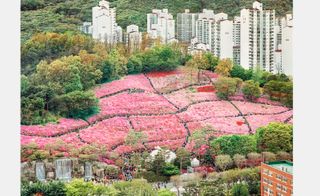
[
  {"x": 236, "y": 40},
  {"x": 186, "y": 26},
  {"x": 286, "y": 43},
  {"x": 276, "y": 178},
  {"x": 203, "y": 26},
  {"x": 277, "y": 46},
  {"x": 257, "y": 37},
  {"x": 283, "y": 44},
  {"x": 133, "y": 38},
  {"x": 160, "y": 23},
  {"x": 216, "y": 32},
  {"x": 104, "y": 26}
]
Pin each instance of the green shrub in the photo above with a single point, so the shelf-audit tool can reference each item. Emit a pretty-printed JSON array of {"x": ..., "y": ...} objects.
[
  {"x": 225, "y": 87},
  {"x": 251, "y": 90},
  {"x": 240, "y": 190},
  {"x": 137, "y": 187},
  {"x": 170, "y": 170},
  {"x": 275, "y": 137},
  {"x": 234, "y": 144},
  {"x": 151, "y": 176},
  {"x": 165, "y": 192},
  {"x": 54, "y": 188}
]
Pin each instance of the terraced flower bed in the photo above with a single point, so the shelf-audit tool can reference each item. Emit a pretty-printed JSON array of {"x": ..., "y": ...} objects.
[{"x": 167, "y": 107}]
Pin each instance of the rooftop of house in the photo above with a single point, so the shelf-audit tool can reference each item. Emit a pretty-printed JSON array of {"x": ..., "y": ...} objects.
[{"x": 284, "y": 166}]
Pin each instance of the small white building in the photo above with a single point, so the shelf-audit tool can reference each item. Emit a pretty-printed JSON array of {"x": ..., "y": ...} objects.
[
  {"x": 160, "y": 24},
  {"x": 197, "y": 47},
  {"x": 195, "y": 162}
]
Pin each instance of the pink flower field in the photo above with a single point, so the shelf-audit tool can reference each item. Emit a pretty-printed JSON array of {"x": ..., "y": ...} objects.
[
  {"x": 63, "y": 126},
  {"x": 201, "y": 111},
  {"x": 165, "y": 106},
  {"x": 229, "y": 125},
  {"x": 181, "y": 79},
  {"x": 129, "y": 82},
  {"x": 110, "y": 132}
]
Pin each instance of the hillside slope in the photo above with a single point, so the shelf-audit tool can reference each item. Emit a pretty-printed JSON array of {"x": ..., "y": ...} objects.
[{"x": 67, "y": 15}]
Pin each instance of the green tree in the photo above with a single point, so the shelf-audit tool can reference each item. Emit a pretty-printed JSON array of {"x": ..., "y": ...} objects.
[
  {"x": 169, "y": 170},
  {"x": 240, "y": 190},
  {"x": 239, "y": 72},
  {"x": 275, "y": 137},
  {"x": 159, "y": 162},
  {"x": 64, "y": 72},
  {"x": 134, "y": 64},
  {"x": 225, "y": 87},
  {"x": 224, "y": 67},
  {"x": 115, "y": 66},
  {"x": 77, "y": 104},
  {"x": 222, "y": 162},
  {"x": 183, "y": 158},
  {"x": 234, "y": 144},
  {"x": 251, "y": 90},
  {"x": 199, "y": 61},
  {"x": 212, "y": 61}
]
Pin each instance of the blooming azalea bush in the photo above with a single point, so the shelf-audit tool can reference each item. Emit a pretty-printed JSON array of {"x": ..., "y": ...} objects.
[
  {"x": 70, "y": 139},
  {"x": 109, "y": 133},
  {"x": 205, "y": 110},
  {"x": 257, "y": 108},
  {"x": 133, "y": 104},
  {"x": 129, "y": 82},
  {"x": 257, "y": 121},
  {"x": 158, "y": 128},
  {"x": 228, "y": 125},
  {"x": 63, "y": 126},
  {"x": 185, "y": 97},
  {"x": 182, "y": 79}
]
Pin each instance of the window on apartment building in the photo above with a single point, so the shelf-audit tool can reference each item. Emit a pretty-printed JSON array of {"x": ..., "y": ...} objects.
[
  {"x": 279, "y": 194},
  {"x": 284, "y": 189},
  {"x": 284, "y": 179},
  {"x": 279, "y": 177},
  {"x": 278, "y": 186}
]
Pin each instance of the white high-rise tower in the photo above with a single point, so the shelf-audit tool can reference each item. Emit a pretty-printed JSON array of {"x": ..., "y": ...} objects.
[
  {"x": 104, "y": 26},
  {"x": 186, "y": 26},
  {"x": 257, "y": 37},
  {"x": 286, "y": 42}
]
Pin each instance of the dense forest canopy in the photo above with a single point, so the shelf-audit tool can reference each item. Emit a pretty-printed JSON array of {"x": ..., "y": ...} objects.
[{"x": 68, "y": 15}]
